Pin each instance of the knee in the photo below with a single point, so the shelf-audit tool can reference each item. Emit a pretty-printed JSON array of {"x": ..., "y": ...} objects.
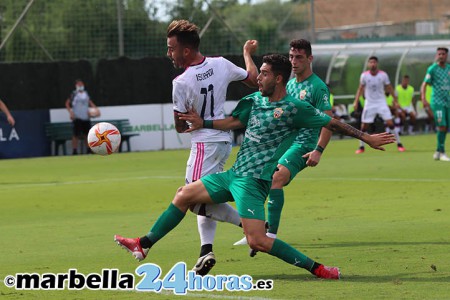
[
  {"x": 280, "y": 179},
  {"x": 182, "y": 197},
  {"x": 258, "y": 243}
]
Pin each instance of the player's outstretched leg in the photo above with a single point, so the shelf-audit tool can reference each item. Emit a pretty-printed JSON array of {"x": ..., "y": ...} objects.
[{"x": 139, "y": 247}]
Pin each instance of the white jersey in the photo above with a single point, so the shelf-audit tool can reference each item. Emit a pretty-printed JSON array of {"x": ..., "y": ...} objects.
[
  {"x": 204, "y": 88},
  {"x": 374, "y": 87}
]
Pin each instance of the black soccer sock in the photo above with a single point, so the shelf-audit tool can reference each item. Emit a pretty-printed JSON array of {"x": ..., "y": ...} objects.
[
  {"x": 314, "y": 267},
  {"x": 145, "y": 242},
  {"x": 206, "y": 248}
]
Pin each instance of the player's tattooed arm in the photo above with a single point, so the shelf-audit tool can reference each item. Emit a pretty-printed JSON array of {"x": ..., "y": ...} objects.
[
  {"x": 344, "y": 128},
  {"x": 375, "y": 140}
]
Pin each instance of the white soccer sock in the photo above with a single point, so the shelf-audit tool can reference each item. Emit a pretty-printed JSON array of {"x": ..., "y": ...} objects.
[
  {"x": 222, "y": 212},
  {"x": 206, "y": 229},
  {"x": 397, "y": 136},
  {"x": 271, "y": 235}
]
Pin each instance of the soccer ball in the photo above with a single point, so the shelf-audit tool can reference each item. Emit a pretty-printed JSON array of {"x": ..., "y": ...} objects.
[
  {"x": 104, "y": 138},
  {"x": 94, "y": 112}
]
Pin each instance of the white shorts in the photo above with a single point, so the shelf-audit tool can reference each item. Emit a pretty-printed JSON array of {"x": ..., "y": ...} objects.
[
  {"x": 409, "y": 109},
  {"x": 371, "y": 111},
  {"x": 206, "y": 158}
]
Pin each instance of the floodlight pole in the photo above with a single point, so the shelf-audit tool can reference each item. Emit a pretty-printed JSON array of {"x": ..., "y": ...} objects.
[
  {"x": 18, "y": 21},
  {"x": 313, "y": 24},
  {"x": 120, "y": 26}
]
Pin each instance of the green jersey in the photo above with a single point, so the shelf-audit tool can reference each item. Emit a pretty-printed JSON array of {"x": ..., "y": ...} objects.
[
  {"x": 271, "y": 129},
  {"x": 439, "y": 79},
  {"x": 314, "y": 91}
]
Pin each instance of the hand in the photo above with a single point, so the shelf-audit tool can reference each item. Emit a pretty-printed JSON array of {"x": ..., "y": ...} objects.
[
  {"x": 191, "y": 116},
  {"x": 377, "y": 140},
  {"x": 11, "y": 120},
  {"x": 313, "y": 158},
  {"x": 250, "y": 46},
  {"x": 72, "y": 115}
]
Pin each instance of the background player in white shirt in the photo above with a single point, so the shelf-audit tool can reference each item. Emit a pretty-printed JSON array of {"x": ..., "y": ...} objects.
[
  {"x": 203, "y": 87},
  {"x": 373, "y": 83}
]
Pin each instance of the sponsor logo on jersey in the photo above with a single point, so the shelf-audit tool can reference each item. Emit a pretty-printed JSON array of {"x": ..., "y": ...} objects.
[
  {"x": 302, "y": 94},
  {"x": 278, "y": 112}
]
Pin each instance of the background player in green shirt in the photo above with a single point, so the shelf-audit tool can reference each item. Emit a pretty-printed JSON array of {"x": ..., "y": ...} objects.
[
  {"x": 438, "y": 76},
  {"x": 272, "y": 119},
  {"x": 405, "y": 97}
]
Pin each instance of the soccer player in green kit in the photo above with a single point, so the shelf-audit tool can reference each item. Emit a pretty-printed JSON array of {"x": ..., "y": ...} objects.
[
  {"x": 438, "y": 76},
  {"x": 308, "y": 146},
  {"x": 272, "y": 119}
]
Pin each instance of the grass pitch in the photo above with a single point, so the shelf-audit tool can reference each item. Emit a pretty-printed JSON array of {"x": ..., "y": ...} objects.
[{"x": 382, "y": 217}]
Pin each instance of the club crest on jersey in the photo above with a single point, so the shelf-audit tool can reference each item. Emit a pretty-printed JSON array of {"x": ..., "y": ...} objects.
[
  {"x": 302, "y": 94},
  {"x": 278, "y": 112}
]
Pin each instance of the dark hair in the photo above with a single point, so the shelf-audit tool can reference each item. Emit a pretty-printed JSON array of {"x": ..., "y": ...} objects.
[
  {"x": 406, "y": 76},
  {"x": 280, "y": 65},
  {"x": 373, "y": 57},
  {"x": 78, "y": 80},
  {"x": 186, "y": 33},
  {"x": 443, "y": 48},
  {"x": 301, "y": 44}
]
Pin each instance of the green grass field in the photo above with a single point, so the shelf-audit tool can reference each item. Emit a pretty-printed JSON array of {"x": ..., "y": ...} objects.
[{"x": 382, "y": 217}]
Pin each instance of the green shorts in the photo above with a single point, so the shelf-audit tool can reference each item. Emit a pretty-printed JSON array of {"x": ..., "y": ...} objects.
[
  {"x": 292, "y": 159},
  {"x": 249, "y": 193},
  {"x": 441, "y": 115}
]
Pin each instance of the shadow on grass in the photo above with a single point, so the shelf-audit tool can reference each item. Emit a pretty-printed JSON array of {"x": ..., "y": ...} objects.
[
  {"x": 393, "y": 278},
  {"x": 365, "y": 244}
]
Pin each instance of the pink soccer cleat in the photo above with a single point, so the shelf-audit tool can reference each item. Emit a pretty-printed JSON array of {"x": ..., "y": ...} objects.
[
  {"x": 132, "y": 245},
  {"x": 360, "y": 150},
  {"x": 327, "y": 272}
]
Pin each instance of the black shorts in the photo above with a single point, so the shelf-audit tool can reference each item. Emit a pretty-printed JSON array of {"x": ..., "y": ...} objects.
[{"x": 81, "y": 127}]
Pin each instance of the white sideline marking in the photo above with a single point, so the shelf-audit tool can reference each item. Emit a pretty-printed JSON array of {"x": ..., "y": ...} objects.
[{"x": 6, "y": 185}]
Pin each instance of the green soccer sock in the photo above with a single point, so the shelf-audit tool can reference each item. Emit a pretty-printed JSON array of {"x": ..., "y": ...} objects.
[
  {"x": 274, "y": 207},
  {"x": 167, "y": 221},
  {"x": 290, "y": 255},
  {"x": 441, "y": 141}
]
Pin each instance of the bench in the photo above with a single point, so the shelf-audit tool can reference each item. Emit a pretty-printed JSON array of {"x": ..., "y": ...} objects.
[
  {"x": 125, "y": 128},
  {"x": 60, "y": 132}
]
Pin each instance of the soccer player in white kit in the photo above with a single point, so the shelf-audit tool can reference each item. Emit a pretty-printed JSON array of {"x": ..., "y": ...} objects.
[
  {"x": 203, "y": 87},
  {"x": 373, "y": 83}
]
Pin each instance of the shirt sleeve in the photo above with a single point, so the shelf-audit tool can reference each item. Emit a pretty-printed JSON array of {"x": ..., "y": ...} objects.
[
  {"x": 322, "y": 98},
  {"x": 236, "y": 73},
  {"x": 179, "y": 97},
  {"x": 362, "y": 80},
  {"x": 428, "y": 78},
  {"x": 386, "y": 79},
  {"x": 243, "y": 110},
  {"x": 308, "y": 116}
]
